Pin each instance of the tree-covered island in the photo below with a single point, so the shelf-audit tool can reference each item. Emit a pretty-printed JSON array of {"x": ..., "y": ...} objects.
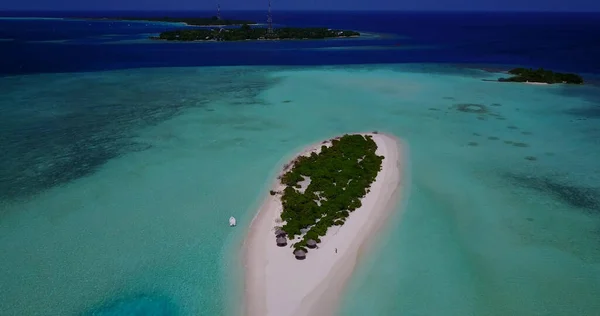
[
  {"x": 209, "y": 21},
  {"x": 246, "y": 32},
  {"x": 541, "y": 75},
  {"x": 338, "y": 177}
]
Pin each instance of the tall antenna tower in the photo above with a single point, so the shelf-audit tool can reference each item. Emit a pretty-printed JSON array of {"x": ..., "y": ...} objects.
[
  {"x": 218, "y": 10},
  {"x": 269, "y": 21}
]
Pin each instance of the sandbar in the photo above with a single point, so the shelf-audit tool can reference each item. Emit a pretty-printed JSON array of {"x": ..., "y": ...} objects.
[{"x": 276, "y": 283}]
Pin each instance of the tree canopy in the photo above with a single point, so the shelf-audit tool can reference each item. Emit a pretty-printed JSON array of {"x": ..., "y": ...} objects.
[
  {"x": 541, "y": 75},
  {"x": 246, "y": 32},
  {"x": 340, "y": 175}
]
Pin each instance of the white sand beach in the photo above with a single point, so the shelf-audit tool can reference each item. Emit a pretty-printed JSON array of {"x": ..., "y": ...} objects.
[
  {"x": 278, "y": 284},
  {"x": 535, "y": 83}
]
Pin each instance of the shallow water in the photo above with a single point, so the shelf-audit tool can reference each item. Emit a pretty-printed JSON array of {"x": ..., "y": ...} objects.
[{"x": 118, "y": 187}]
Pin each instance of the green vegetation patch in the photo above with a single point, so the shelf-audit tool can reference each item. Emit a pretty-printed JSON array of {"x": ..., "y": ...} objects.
[
  {"x": 246, "y": 32},
  {"x": 541, "y": 75},
  {"x": 340, "y": 175}
]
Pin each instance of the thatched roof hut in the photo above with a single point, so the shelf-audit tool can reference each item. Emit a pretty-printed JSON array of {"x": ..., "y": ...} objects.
[
  {"x": 281, "y": 241},
  {"x": 280, "y": 233},
  {"x": 311, "y": 244},
  {"x": 300, "y": 254}
]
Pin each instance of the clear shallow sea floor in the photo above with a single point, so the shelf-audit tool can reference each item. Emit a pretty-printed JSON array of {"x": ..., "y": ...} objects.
[{"x": 116, "y": 187}]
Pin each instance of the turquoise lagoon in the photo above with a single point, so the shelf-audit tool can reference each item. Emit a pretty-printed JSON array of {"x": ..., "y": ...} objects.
[{"x": 118, "y": 187}]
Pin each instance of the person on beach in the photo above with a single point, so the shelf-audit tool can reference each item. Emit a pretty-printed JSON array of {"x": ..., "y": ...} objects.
[{"x": 335, "y": 250}]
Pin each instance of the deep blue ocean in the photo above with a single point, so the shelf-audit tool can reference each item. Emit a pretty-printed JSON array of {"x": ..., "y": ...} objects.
[
  {"x": 562, "y": 41},
  {"x": 122, "y": 158}
]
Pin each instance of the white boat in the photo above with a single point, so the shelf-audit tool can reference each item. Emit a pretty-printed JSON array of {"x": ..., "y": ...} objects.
[{"x": 232, "y": 221}]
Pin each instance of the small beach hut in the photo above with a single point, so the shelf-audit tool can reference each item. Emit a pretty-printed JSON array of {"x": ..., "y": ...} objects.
[
  {"x": 300, "y": 254},
  {"x": 281, "y": 241},
  {"x": 311, "y": 244},
  {"x": 280, "y": 233}
]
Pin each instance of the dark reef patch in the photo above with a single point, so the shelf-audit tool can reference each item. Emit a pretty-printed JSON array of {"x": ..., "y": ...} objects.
[
  {"x": 531, "y": 158},
  {"x": 496, "y": 104},
  {"x": 250, "y": 102},
  {"x": 589, "y": 112},
  {"x": 137, "y": 147},
  {"x": 476, "y": 134},
  {"x": 526, "y": 133},
  {"x": 512, "y": 127},
  {"x": 448, "y": 98},
  {"x": 473, "y": 144},
  {"x": 433, "y": 109},
  {"x": 509, "y": 142},
  {"x": 286, "y": 101},
  {"x": 75, "y": 123},
  {"x": 573, "y": 195},
  {"x": 139, "y": 305},
  {"x": 470, "y": 108},
  {"x": 517, "y": 144}
]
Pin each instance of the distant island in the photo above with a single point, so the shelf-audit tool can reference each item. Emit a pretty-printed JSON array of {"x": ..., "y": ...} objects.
[
  {"x": 246, "y": 32},
  {"x": 541, "y": 75},
  {"x": 210, "y": 21}
]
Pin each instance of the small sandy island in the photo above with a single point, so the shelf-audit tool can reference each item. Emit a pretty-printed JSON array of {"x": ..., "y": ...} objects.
[{"x": 276, "y": 283}]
